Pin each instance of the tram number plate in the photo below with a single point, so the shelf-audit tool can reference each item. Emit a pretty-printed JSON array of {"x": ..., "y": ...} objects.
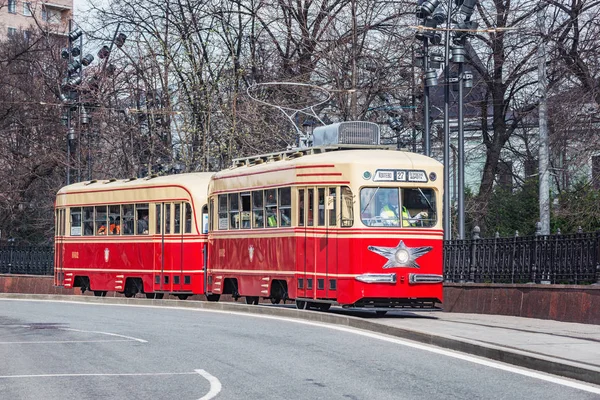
[{"x": 75, "y": 254}]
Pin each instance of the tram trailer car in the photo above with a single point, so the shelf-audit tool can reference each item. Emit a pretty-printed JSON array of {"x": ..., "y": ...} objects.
[
  {"x": 133, "y": 236},
  {"x": 311, "y": 225}
]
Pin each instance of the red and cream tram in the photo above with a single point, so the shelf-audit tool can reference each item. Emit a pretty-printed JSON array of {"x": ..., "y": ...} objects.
[
  {"x": 133, "y": 236},
  {"x": 339, "y": 223},
  {"x": 346, "y": 222}
]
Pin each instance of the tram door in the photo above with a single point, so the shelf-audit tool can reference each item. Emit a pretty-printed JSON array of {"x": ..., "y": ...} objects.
[
  {"x": 168, "y": 274},
  {"x": 59, "y": 248},
  {"x": 325, "y": 240},
  {"x": 319, "y": 244}
]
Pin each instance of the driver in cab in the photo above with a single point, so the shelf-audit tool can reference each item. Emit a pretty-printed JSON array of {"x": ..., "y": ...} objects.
[{"x": 390, "y": 212}]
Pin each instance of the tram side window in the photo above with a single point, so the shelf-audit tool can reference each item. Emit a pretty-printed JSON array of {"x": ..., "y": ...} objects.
[
  {"x": 60, "y": 222},
  {"x": 311, "y": 205},
  {"x": 347, "y": 207},
  {"x": 258, "y": 220},
  {"x": 167, "y": 218},
  {"x": 114, "y": 216},
  {"x": 177, "y": 218},
  {"x": 101, "y": 220},
  {"x": 158, "y": 217},
  {"x": 223, "y": 216},
  {"x": 234, "y": 211},
  {"x": 245, "y": 210},
  {"x": 188, "y": 217},
  {"x": 88, "y": 221},
  {"x": 331, "y": 206},
  {"x": 271, "y": 208},
  {"x": 301, "y": 207},
  {"x": 285, "y": 206},
  {"x": 141, "y": 218},
  {"x": 127, "y": 227},
  {"x": 75, "y": 221},
  {"x": 321, "y": 199}
]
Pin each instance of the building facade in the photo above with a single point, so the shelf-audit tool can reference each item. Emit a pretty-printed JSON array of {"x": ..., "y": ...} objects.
[{"x": 24, "y": 17}]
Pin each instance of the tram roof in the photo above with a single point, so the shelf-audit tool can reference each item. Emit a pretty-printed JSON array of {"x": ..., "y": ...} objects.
[
  {"x": 333, "y": 155},
  {"x": 189, "y": 180}
]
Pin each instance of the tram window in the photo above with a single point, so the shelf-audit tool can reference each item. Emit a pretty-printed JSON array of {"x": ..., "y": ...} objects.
[
  {"x": 223, "y": 218},
  {"x": 158, "y": 217},
  {"x": 379, "y": 207},
  {"x": 114, "y": 217},
  {"x": 321, "y": 197},
  {"x": 331, "y": 206},
  {"x": 177, "y": 218},
  {"x": 347, "y": 207},
  {"x": 188, "y": 217},
  {"x": 167, "y": 218},
  {"x": 141, "y": 218},
  {"x": 101, "y": 220},
  {"x": 271, "y": 208},
  {"x": 257, "y": 209},
  {"x": 420, "y": 207},
  {"x": 311, "y": 205},
  {"x": 301, "y": 207},
  {"x": 75, "y": 221},
  {"x": 88, "y": 221},
  {"x": 245, "y": 210},
  {"x": 127, "y": 227},
  {"x": 211, "y": 218},
  {"x": 234, "y": 211},
  {"x": 285, "y": 206}
]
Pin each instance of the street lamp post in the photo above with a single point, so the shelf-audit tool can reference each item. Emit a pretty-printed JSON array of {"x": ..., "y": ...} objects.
[
  {"x": 70, "y": 97},
  {"x": 431, "y": 13}
]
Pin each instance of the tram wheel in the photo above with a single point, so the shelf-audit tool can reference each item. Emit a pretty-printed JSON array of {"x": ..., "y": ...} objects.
[
  {"x": 252, "y": 300},
  {"x": 275, "y": 300},
  {"x": 213, "y": 297},
  {"x": 381, "y": 313},
  {"x": 324, "y": 306},
  {"x": 300, "y": 304},
  {"x": 100, "y": 293},
  {"x": 183, "y": 296},
  {"x": 154, "y": 295},
  {"x": 129, "y": 294}
]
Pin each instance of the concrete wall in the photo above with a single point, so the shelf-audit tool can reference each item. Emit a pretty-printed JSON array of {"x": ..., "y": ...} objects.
[{"x": 567, "y": 303}]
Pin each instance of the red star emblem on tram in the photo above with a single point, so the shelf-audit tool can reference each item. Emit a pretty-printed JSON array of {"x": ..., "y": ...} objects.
[{"x": 401, "y": 256}]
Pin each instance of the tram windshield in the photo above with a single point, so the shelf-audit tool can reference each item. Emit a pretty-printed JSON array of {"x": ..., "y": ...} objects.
[{"x": 398, "y": 207}]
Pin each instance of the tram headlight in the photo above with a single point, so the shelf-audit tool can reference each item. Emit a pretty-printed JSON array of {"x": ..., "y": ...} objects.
[{"x": 402, "y": 256}]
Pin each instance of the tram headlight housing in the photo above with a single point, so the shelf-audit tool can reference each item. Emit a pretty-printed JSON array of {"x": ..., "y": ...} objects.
[{"x": 402, "y": 256}]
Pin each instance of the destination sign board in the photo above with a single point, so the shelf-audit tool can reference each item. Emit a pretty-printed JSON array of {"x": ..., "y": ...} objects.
[{"x": 399, "y": 175}]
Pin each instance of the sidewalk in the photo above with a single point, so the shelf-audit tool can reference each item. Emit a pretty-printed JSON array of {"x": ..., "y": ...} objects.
[{"x": 564, "y": 348}]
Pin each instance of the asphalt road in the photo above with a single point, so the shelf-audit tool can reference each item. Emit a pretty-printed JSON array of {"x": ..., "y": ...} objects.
[{"x": 59, "y": 350}]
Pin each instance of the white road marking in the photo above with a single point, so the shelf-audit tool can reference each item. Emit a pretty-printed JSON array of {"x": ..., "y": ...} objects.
[
  {"x": 67, "y": 341},
  {"x": 84, "y": 375},
  {"x": 105, "y": 333},
  {"x": 403, "y": 342},
  {"x": 215, "y": 385}
]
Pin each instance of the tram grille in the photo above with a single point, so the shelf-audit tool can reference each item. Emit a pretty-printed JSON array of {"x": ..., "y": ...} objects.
[{"x": 356, "y": 132}]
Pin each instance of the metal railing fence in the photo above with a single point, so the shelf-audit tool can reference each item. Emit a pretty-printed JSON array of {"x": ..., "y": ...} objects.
[
  {"x": 557, "y": 259},
  {"x": 27, "y": 260}
]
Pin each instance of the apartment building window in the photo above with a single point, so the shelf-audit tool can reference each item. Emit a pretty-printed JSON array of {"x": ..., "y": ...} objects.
[
  {"x": 12, "y": 6},
  {"x": 27, "y": 9},
  {"x": 12, "y": 31}
]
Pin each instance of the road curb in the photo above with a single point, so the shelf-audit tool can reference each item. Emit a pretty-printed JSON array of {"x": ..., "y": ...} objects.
[{"x": 516, "y": 357}]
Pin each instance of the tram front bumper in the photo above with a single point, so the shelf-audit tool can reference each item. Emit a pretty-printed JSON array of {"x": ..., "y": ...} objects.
[{"x": 376, "y": 278}]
